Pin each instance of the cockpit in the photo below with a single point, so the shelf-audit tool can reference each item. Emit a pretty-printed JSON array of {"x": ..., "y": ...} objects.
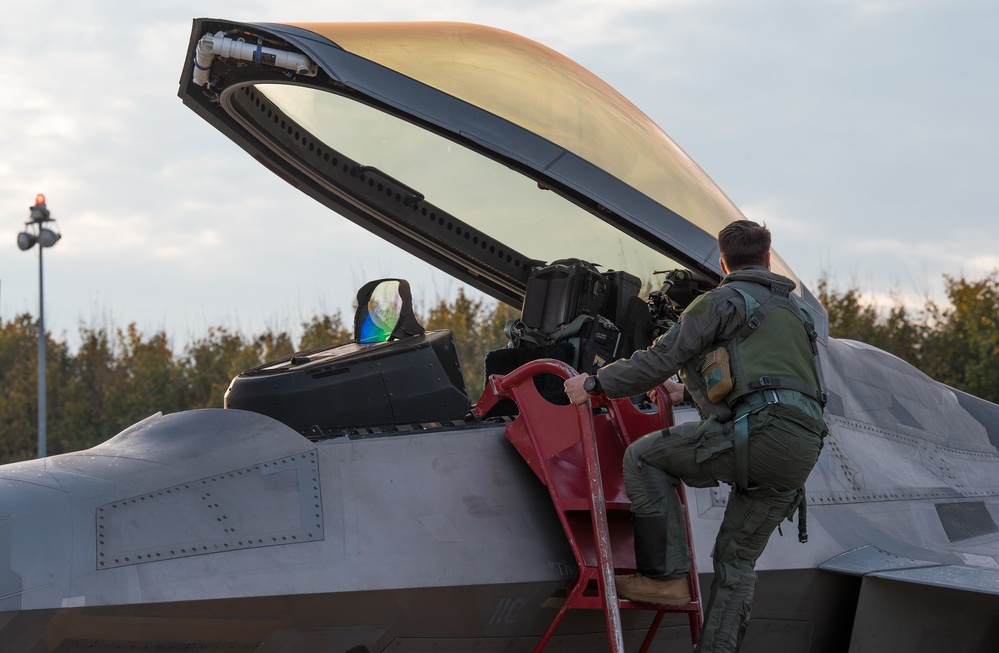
[{"x": 394, "y": 376}]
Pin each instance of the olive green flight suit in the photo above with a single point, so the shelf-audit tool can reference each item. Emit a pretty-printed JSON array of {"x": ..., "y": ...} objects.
[{"x": 785, "y": 437}]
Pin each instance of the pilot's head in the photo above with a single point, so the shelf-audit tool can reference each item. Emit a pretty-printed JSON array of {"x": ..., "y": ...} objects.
[{"x": 743, "y": 243}]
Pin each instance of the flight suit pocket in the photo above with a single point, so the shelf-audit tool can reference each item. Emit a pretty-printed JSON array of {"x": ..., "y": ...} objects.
[{"x": 713, "y": 438}]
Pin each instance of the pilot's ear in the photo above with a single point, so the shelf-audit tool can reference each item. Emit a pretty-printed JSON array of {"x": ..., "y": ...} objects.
[
  {"x": 766, "y": 260},
  {"x": 721, "y": 259}
]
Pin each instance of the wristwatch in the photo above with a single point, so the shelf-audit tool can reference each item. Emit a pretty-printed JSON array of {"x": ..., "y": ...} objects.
[{"x": 592, "y": 385}]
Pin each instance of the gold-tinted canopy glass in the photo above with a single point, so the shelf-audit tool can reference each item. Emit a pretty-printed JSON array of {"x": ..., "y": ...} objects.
[{"x": 550, "y": 95}]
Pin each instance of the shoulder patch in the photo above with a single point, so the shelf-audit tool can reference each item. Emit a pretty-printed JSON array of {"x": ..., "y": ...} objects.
[{"x": 696, "y": 307}]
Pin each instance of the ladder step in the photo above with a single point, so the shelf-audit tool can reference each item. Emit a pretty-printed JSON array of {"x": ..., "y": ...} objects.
[
  {"x": 583, "y": 505},
  {"x": 596, "y": 603}
]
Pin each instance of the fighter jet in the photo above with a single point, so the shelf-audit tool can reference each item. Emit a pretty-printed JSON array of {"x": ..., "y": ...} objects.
[{"x": 350, "y": 499}]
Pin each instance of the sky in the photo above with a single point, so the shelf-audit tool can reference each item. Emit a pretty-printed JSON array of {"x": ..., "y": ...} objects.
[{"x": 864, "y": 133}]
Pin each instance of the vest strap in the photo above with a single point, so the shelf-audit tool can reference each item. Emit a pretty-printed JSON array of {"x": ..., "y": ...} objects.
[
  {"x": 740, "y": 440},
  {"x": 786, "y": 383},
  {"x": 758, "y": 307},
  {"x": 740, "y": 452}
]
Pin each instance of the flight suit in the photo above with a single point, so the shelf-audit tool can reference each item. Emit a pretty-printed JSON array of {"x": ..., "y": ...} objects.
[{"x": 785, "y": 430}]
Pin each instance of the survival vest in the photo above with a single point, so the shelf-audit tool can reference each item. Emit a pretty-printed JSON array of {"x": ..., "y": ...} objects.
[
  {"x": 751, "y": 361},
  {"x": 756, "y": 363}
]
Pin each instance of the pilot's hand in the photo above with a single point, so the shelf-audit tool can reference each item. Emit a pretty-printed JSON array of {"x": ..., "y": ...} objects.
[
  {"x": 574, "y": 389},
  {"x": 673, "y": 389}
]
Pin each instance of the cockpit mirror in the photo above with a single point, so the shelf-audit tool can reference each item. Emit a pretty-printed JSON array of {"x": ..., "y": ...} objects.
[{"x": 385, "y": 312}]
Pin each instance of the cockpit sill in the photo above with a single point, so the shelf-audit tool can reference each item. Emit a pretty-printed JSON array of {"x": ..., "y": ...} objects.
[
  {"x": 396, "y": 377},
  {"x": 457, "y": 427}
]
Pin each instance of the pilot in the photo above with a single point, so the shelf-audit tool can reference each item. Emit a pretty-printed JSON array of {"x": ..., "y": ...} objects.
[{"x": 747, "y": 356}]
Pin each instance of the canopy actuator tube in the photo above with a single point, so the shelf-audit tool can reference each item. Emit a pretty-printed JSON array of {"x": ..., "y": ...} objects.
[{"x": 212, "y": 45}]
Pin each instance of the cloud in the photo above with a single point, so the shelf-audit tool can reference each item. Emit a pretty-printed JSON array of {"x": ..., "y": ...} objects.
[
  {"x": 861, "y": 132},
  {"x": 981, "y": 265}
]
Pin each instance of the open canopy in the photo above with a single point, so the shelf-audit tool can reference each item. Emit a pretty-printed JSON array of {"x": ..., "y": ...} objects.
[{"x": 478, "y": 150}]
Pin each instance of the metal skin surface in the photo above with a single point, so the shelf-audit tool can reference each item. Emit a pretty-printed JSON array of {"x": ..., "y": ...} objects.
[{"x": 224, "y": 530}]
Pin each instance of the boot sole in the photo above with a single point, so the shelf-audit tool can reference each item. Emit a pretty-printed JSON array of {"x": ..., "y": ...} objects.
[{"x": 657, "y": 600}]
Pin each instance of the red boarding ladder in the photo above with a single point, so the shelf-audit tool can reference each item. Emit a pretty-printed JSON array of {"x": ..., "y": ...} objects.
[{"x": 567, "y": 447}]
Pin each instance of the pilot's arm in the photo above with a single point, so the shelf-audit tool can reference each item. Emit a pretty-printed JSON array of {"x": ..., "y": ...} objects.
[
  {"x": 575, "y": 389},
  {"x": 703, "y": 323}
]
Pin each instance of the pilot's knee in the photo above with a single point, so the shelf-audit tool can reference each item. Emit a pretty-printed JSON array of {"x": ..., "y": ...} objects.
[
  {"x": 632, "y": 460},
  {"x": 737, "y": 572}
]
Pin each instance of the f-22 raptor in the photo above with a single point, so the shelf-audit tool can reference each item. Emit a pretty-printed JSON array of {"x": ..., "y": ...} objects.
[{"x": 349, "y": 500}]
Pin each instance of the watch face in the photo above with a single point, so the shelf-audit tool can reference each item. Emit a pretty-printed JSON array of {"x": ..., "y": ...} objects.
[{"x": 590, "y": 383}]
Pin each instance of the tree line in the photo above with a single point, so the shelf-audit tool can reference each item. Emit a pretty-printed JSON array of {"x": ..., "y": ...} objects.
[
  {"x": 117, "y": 376},
  {"x": 956, "y": 343}
]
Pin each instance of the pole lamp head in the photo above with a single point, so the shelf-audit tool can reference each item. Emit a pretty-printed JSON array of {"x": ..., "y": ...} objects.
[
  {"x": 44, "y": 237},
  {"x": 47, "y": 237},
  {"x": 26, "y": 240}
]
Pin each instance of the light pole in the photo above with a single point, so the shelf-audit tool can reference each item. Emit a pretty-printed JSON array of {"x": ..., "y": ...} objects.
[{"x": 35, "y": 231}]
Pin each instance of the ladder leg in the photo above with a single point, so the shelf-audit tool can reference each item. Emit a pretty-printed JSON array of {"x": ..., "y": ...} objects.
[
  {"x": 695, "y": 628},
  {"x": 696, "y": 617},
  {"x": 651, "y": 635},
  {"x": 577, "y": 588}
]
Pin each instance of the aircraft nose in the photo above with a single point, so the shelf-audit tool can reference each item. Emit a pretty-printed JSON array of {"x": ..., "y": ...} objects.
[
  {"x": 11, "y": 585},
  {"x": 36, "y": 529}
]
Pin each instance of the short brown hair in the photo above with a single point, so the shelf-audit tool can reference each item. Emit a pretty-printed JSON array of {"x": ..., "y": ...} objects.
[{"x": 743, "y": 243}]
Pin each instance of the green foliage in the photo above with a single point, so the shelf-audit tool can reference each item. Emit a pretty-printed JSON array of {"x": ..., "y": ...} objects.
[
  {"x": 477, "y": 330},
  {"x": 120, "y": 376},
  {"x": 19, "y": 380},
  {"x": 211, "y": 363},
  {"x": 94, "y": 402},
  {"x": 324, "y": 330},
  {"x": 964, "y": 346},
  {"x": 896, "y": 333},
  {"x": 957, "y": 344}
]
